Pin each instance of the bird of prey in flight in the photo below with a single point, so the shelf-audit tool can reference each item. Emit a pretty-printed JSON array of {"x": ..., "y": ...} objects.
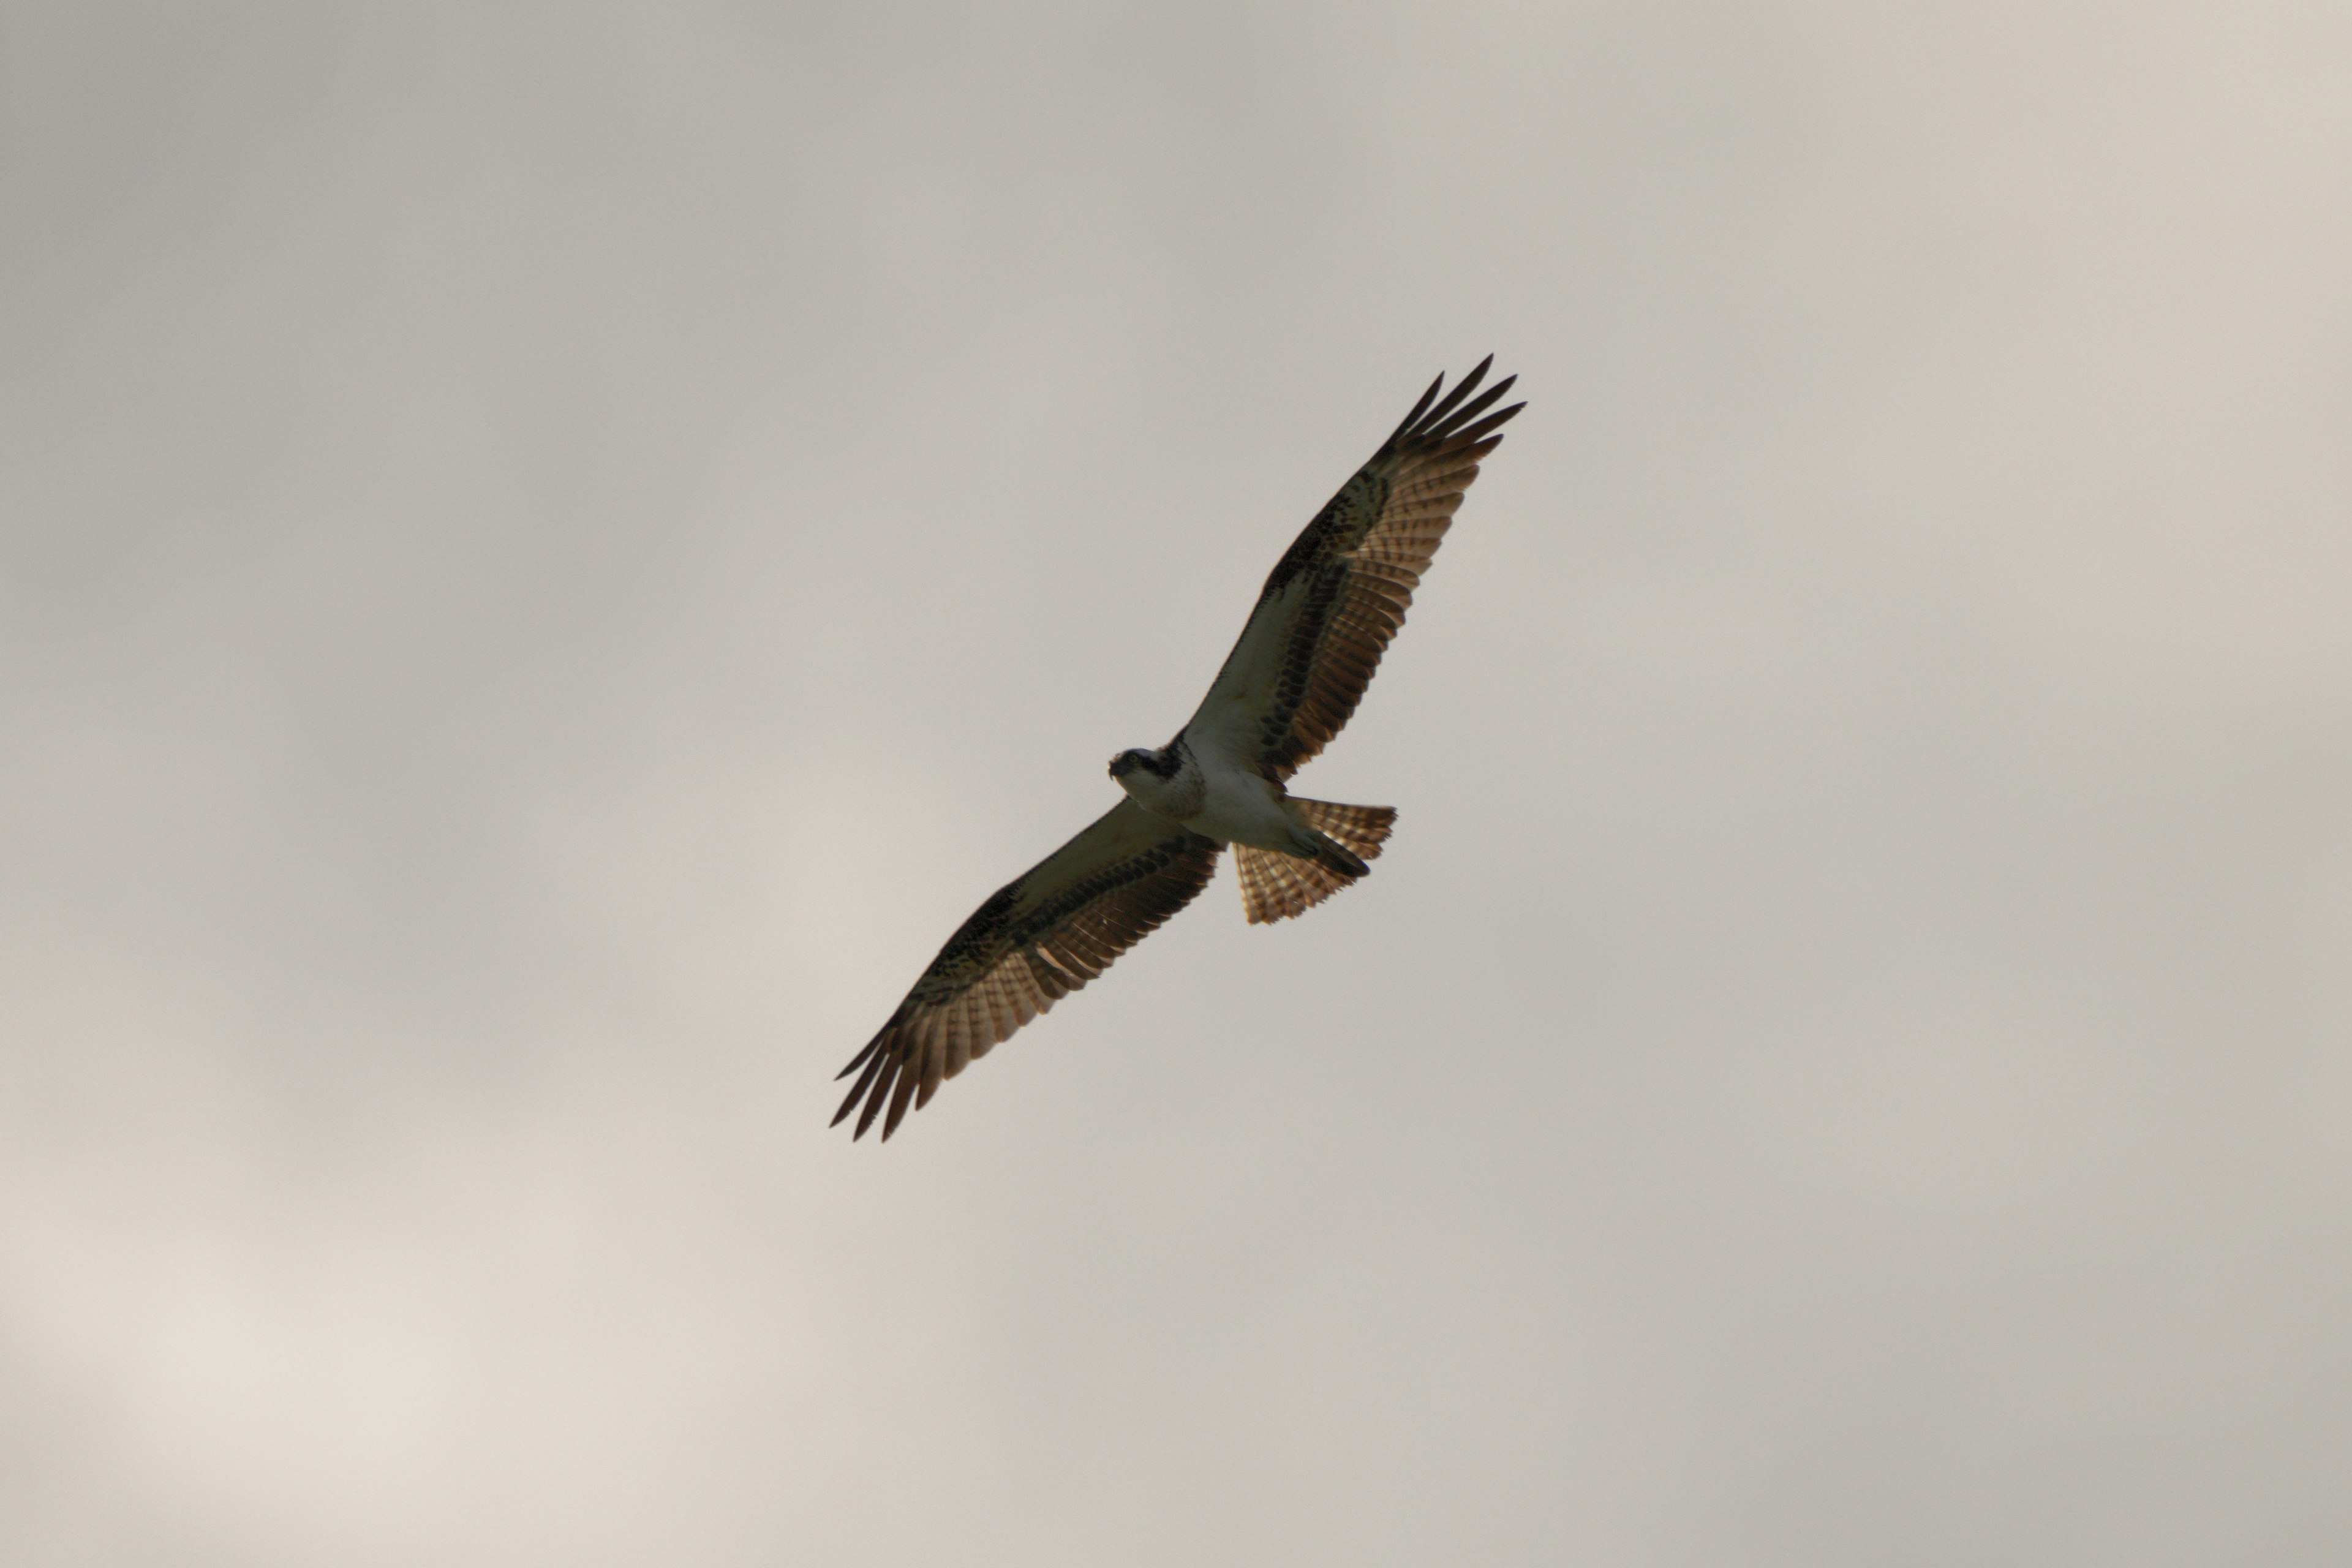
[{"x": 1335, "y": 599}]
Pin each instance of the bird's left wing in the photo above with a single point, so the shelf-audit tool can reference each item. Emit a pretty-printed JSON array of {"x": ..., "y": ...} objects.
[
  {"x": 1340, "y": 593},
  {"x": 1040, "y": 937}
]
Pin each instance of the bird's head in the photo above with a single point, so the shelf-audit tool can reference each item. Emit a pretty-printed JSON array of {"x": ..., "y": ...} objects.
[
  {"x": 1148, "y": 776},
  {"x": 1141, "y": 758}
]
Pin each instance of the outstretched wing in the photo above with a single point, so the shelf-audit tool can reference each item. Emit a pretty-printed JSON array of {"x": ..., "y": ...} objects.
[
  {"x": 1340, "y": 593},
  {"x": 1040, "y": 937}
]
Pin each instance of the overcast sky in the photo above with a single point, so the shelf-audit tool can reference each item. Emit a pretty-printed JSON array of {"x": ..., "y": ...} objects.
[{"x": 552, "y": 553}]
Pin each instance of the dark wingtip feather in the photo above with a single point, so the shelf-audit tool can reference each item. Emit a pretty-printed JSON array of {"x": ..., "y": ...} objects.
[
  {"x": 1406, "y": 424},
  {"x": 1462, "y": 389},
  {"x": 874, "y": 1096},
  {"x": 860, "y": 1060},
  {"x": 1471, "y": 410},
  {"x": 1486, "y": 427},
  {"x": 899, "y": 1097},
  {"x": 874, "y": 1058}
]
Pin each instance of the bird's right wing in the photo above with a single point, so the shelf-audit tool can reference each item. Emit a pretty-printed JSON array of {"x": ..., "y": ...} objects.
[
  {"x": 1040, "y": 937},
  {"x": 1340, "y": 593}
]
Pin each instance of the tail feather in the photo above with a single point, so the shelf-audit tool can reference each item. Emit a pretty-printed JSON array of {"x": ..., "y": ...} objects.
[
  {"x": 1276, "y": 886},
  {"x": 1362, "y": 829}
]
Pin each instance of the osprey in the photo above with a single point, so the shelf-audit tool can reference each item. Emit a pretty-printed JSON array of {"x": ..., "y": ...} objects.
[{"x": 1335, "y": 599}]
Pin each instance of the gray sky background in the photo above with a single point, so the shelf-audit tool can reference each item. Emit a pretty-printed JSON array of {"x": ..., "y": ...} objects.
[{"x": 552, "y": 553}]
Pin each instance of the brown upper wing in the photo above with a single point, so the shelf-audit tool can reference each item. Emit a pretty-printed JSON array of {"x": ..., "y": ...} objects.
[
  {"x": 1340, "y": 593},
  {"x": 1040, "y": 937}
]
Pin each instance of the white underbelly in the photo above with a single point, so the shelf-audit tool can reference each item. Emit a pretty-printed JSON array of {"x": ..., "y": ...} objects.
[{"x": 1242, "y": 808}]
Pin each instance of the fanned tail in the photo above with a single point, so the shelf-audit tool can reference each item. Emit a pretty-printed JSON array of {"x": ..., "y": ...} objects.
[
  {"x": 1276, "y": 886},
  {"x": 1360, "y": 828}
]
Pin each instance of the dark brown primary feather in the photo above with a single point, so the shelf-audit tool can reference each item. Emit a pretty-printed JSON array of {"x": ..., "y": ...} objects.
[
  {"x": 1354, "y": 568},
  {"x": 1039, "y": 938}
]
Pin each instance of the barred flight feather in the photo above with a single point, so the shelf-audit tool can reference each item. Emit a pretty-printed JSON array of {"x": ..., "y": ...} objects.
[{"x": 1038, "y": 939}]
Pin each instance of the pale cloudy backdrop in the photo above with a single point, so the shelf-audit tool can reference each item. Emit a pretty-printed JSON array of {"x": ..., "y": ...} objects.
[{"x": 553, "y": 551}]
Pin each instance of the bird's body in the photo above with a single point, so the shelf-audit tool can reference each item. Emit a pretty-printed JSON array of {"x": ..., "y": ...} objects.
[
  {"x": 1327, "y": 614},
  {"x": 1216, "y": 798}
]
